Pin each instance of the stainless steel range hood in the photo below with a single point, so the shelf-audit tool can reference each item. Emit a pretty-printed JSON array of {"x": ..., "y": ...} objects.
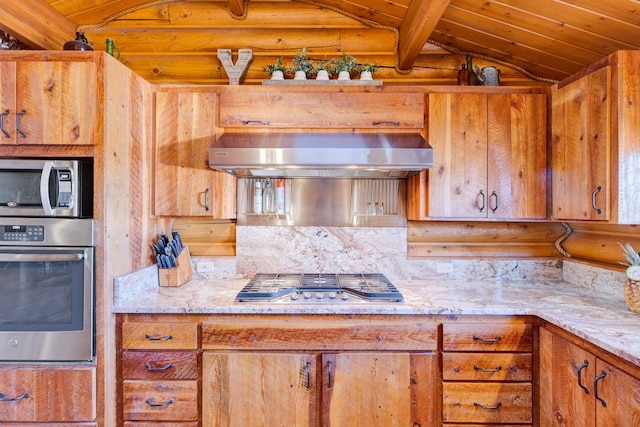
[{"x": 322, "y": 155}]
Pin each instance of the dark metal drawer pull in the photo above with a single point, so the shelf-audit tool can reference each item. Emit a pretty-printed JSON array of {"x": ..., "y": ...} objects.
[
  {"x": 160, "y": 368},
  {"x": 580, "y": 368},
  {"x": 12, "y": 399},
  {"x": 593, "y": 200},
  {"x": 386, "y": 123},
  {"x": 477, "y": 368},
  {"x": 496, "y": 406},
  {"x": 20, "y": 114},
  {"x": 496, "y": 339},
  {"x": 259, "y": 122},
  {"x": 6, "y": 113},
  {"x": 329, "y": 365},
  {"x": 308, "y": 374},
  {"x": 155, "y": 405},
  {"x": 481, "y": 194},
  {"x": 156, "y": 337},
  {"x": 595, "y": 387}
]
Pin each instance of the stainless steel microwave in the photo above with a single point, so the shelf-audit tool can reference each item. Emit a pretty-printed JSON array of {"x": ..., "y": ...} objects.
[{"x": 46, "y": 188}]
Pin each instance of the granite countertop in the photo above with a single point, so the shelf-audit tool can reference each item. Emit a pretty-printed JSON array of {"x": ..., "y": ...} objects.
[{"x": 602, "y": 319}]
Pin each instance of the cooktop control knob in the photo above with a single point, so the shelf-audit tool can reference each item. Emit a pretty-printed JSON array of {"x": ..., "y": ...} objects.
[
  {"x": 320, "y": 295},
  {"x": 332, "y": 295},
  {"x": 345, "y": 297},
  {"x": 306, "y": 295},
  {"x": 295, "y": 296}
]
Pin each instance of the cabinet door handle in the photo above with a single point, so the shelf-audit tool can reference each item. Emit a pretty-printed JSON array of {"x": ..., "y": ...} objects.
[
  {"x": 595, "y": 387},
  {"x": 477, "y": 368},
  {"x": 18, "y": 115},
  {"x": 580, "y": 368},
  {"x": 329, "y": 373},
  {"x": 2, "y": 115},
  {"x": 489, "y": 340},
  {"x": 496, "y": 406},
  {"x": 308, "y": 374},
  {"x": 483, "y": 198},
  {"x": 158, "y": 368},
  {"x": 155, "y": 405},
  {"x": 206, "y": 200},
  {"x": 3, "y": 398},
  {"x": 156, "y": 337},
  {"x": 254, "y": 122},
  {"x": 593, "y": 200},
  {"x": 386, "y": 123},
  {"x": 494, "y": 195}
]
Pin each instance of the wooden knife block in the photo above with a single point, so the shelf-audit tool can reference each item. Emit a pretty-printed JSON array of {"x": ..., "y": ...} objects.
[{"x": 177, "y": 276}]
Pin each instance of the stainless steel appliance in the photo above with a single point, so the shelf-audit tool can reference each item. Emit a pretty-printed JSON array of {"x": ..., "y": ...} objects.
[
  {"x": 321, "y": 155},
  {"x": 46, "y": 289},
  {"x": 46, "y": 187},
  {"x": 319, "y": 288}
]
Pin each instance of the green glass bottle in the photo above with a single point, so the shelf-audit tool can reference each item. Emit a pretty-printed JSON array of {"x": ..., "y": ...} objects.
[{"x": 473, "y": 78}]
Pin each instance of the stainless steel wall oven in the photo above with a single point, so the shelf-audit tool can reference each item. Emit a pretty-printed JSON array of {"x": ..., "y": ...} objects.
[{"x": 47, "y": 289}]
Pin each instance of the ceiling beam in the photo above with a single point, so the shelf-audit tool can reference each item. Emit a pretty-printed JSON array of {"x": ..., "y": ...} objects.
[
  {"x": 237, "y": 7},
  {"x": 36, "y": 24},
  {"x": 421, "y": 18}
]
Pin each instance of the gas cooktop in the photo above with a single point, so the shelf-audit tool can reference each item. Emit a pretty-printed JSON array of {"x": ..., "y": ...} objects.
[{"x": 319, "y": 288}]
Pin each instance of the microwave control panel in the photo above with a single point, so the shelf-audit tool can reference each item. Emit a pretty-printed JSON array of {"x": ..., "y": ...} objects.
[{"x": 22, "y": 233}]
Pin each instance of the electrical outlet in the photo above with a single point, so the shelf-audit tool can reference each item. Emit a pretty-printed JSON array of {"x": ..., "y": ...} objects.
[
  {"x": 204, "y": 266},
  {"x": 444, "y": 267}
]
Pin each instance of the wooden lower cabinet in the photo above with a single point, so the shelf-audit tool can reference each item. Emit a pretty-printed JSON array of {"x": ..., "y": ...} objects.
[
  {"x": 580, "y": 389},
  {"x": 487, "y": 373},
  {"x": 46, "y": 394},
  {"x": 301, "y": 389}
]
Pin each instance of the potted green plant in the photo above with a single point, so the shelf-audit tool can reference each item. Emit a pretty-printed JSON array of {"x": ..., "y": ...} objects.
[
  {"x": 276, "y": 70},
  {"x": 367, "y": 70},
  {"x": 302, "y": 66},
  {"x": 344, "y": 65},
  {"x": 323, "y": 69}
]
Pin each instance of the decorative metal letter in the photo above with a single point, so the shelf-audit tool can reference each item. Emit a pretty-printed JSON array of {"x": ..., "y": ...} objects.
[{"x": 238, "y": 70}]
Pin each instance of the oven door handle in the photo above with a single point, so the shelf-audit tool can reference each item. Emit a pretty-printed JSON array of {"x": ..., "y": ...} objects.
[{"x": 26, "y": 257}]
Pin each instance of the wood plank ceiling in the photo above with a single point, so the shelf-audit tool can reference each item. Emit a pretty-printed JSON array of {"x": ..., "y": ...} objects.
[{"x": 413, "y": 41}]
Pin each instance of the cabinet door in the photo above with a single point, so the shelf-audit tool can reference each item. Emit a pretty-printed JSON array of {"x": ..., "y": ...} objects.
[
  {"x": 517, "y": 160},
  {"x": 56, "y": 102},
  {"x": 457, "y": 183},
  {"x": 184, "y": 183},
  {"x": 7, "y": 102},
  {"x": 258, "y": 389},
  {"x": 566, "y": 378},
  {"x": 581, "y": 148},
  {"x": 621, "y": 393},
  {"x": 379, "y": 389}
]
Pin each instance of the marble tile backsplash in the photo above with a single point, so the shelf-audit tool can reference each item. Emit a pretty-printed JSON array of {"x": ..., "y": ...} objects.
[{"x": 360, "y": 249}]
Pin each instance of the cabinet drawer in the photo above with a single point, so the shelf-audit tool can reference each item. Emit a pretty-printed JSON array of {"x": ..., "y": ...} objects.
[
  {"x": 159, "y": 336},
  {"x": 486, "y": 366},
  {"x": 487, "y": 337},
  {"x": 319, "y": 335},
  {"x": 160, "y": 400},
  {"x": 386, "y": 111},
  {"x": 503, "y": 403},
  {"x": 144, "y": 365},
  {"x": 47, "y": 394}
]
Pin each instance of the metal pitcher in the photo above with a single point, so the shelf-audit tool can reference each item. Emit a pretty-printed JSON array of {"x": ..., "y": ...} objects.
[{"x": 488, "y": 76}]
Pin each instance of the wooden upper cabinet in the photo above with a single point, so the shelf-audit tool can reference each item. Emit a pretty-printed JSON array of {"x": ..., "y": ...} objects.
[
  {"x": 48, "y": 102},
  {"x": 259, "y": 108},
  {"x": 596, "y": 142},
  {"x": 184, "y": 184},
  {"x": 489, "y": 157},
  {"x": 581, "y": 148}
]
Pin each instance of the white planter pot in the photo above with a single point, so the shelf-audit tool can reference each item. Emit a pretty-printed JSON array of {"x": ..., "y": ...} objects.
[
  {"x": 277, "y": 75},
  {"x": 300, "y": 75},
  {"x": 344, "y": 75},
  {"x": 366, "y": 75},
  {"x": 322, "y": 75}
]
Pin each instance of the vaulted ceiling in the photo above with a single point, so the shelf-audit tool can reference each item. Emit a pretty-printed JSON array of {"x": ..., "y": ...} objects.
[{"x": 416, "y": 40}]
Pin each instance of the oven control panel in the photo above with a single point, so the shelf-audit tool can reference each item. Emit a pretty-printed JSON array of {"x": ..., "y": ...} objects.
[{"x": 21, "y": 233}]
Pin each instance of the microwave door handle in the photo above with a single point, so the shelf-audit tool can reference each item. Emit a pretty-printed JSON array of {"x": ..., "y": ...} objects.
[
  {"x": 53, "y": 257},
  {"x": 44, "y": 187}
]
